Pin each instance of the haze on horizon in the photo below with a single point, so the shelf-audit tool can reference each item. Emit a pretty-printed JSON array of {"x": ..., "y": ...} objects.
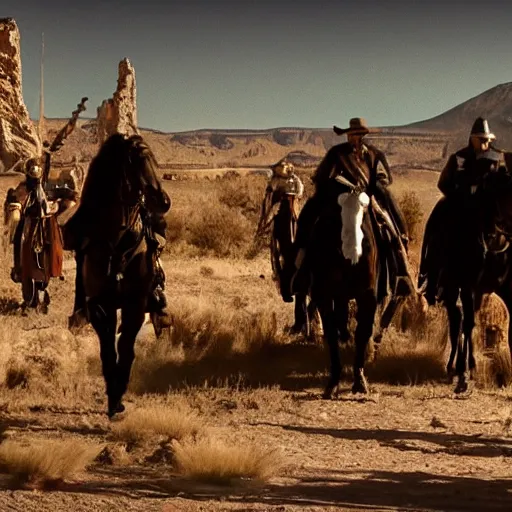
[{"x": 243, "y": 64}]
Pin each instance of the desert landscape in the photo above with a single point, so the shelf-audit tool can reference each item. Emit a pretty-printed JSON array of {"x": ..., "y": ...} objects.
[{"x": 225, "y": 412}]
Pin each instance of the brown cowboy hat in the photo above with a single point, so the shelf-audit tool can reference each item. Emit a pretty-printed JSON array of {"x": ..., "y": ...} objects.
[
  {"x": 357, "y": 126},
  {"x": 282, "y": 168}
]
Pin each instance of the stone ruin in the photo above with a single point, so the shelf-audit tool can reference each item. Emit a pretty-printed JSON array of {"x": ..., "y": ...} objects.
[
  {"x": 119, "y": 113},
  {"x": 18, "y": 137}
]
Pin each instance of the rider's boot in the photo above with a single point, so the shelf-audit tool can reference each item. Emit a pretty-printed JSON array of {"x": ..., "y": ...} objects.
[{"x": 157, "y": 301}]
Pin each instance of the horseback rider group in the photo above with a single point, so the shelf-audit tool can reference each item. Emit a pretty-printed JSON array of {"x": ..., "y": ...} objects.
[
  {"x": 359, "y": 165},
  {"x": 364, "y": 168}
]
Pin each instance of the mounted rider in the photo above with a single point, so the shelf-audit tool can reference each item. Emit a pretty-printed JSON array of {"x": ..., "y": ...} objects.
[
  {"x": 283, "y": 181},
  {"x": 37, "y": 227},
  {"x": 76, "y": 237},
  {"x": 462, "y": 182},
  {"x": 37, "y": 205},
  {"x": 366, "y": 168},
  {"x": 284, "y": 184}
]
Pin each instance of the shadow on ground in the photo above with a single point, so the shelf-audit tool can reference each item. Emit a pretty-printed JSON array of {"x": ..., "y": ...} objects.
[
  {"x": 349, "y": 490},
  {"x": 291, "y": 367}
]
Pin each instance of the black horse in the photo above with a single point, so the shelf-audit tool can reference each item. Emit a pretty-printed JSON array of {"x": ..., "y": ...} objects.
[
  {"x": 344, "y": 265},
  {"x": 110, "y": 228}
]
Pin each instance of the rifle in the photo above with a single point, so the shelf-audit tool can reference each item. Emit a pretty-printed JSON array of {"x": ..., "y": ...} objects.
[{"x": 61, "y": 136}]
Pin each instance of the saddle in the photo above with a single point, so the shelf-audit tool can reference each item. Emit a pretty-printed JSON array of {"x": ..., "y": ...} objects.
[{"x": 41, "y": 248}]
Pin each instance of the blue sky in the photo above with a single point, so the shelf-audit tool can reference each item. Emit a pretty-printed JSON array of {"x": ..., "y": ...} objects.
[{"x": 263, "y": 64}]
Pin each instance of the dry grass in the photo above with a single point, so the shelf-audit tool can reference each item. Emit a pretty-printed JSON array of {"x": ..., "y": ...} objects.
[
  {"x": 494, "y": 369},
  {"x": 402, "y": 361},
  {"x": 46, "y": 463},
  {"x": 411, "y": 208},
  {"x": 215, "y": 461},
  {"x": 147, "y": 423}
]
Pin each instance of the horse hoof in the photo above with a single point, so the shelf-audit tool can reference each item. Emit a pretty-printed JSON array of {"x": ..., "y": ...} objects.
[
  {"x": 296, "y": 329},
  {"x": 461, "y": 387},
  {"x": 360, "y": 385},
  {"x": 116, "y": 409},
  {"x": 327, "y": 395}
]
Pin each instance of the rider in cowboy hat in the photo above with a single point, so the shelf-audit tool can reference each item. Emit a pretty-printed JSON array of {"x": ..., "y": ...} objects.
[
  {"x": 366, "y": 167},
  {"x": 461, "y": 182}
]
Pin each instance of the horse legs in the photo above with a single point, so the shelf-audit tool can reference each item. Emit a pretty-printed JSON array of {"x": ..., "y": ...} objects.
[
  {"x": 342, "y": 317},
  {"x": 301, "y": 315},
  {"x": 132, "y": 318},
  {"x": 468, "y": 324},
  {"x": 103, "y": 319},
  {"x": 325, "y": 306},
  {"x": 366, "y": 308},
  {"x": 387, "y": 316},
  {"x": 466, "y": 347},
  {"x": 454, "y": 321}
]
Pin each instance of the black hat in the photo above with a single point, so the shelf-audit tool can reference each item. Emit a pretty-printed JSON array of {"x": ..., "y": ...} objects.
[{"x": 480, "y": 128}]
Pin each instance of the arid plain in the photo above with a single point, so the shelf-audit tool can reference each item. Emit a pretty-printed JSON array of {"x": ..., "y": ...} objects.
[{"x": 230, "y": 392}]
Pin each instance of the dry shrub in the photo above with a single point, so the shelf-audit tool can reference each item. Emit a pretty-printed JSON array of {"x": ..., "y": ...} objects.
[
  {"x": 494, "y": 369},
  {"x": 42, "y": 357},
  {"x": 204, "y": 331},
  {"x": 46, "y": 463},
  {"x": 217, "y": 462},
  {"x": 245, "y": 196},
  {"x": 175, "y": 230},
  {"x": 413, "y": 213},
  {"x": 216, "y": 346},
  {"x": 415, "y": 357},
  {"x": 147, "y": 423},
  {"x": 402, "y": 361},
  {"x": 219, "y": 230}
]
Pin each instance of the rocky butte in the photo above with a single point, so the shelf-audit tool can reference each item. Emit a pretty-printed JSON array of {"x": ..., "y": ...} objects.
[
  {"x": 119, "y": 113},
  {"x": 18, "y": 138}
]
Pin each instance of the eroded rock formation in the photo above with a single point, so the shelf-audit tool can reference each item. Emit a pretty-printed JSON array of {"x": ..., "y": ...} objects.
[
  {"x": 119, "y": 113},
  {"x": 18, "y": 138}
]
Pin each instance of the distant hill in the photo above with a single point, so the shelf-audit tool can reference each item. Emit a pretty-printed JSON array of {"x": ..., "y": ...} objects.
[{"x": 494, "y": 104}]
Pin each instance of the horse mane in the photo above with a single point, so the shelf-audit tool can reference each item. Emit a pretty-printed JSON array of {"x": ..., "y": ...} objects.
[
  {"x": 106, "y": 173},
  {"x": 121, "y": 164}
]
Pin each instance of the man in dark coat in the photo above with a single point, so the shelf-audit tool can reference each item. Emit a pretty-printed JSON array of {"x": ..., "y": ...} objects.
[
  {"x": 365, "y": 167},
  {"x": 462, "y": 184}
]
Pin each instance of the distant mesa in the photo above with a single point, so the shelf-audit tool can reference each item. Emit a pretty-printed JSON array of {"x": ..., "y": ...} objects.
[
  {"x": 302, "y": 159},
  {"x": 221, "y": 141}
]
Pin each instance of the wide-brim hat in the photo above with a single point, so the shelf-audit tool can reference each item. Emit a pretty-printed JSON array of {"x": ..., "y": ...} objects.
[
  {"x": 282, "y": 168},
  {"x": 481, "y": 129},
  {"x": 33, "y": 169},
  {"x": 357, "y": 126}
]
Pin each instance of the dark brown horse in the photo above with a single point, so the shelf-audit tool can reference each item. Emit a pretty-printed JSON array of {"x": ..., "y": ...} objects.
[
  {"x": 279, "y": 211},
  {"x": 120, "y": 193},
  {"x": 344, "y": 266}
]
